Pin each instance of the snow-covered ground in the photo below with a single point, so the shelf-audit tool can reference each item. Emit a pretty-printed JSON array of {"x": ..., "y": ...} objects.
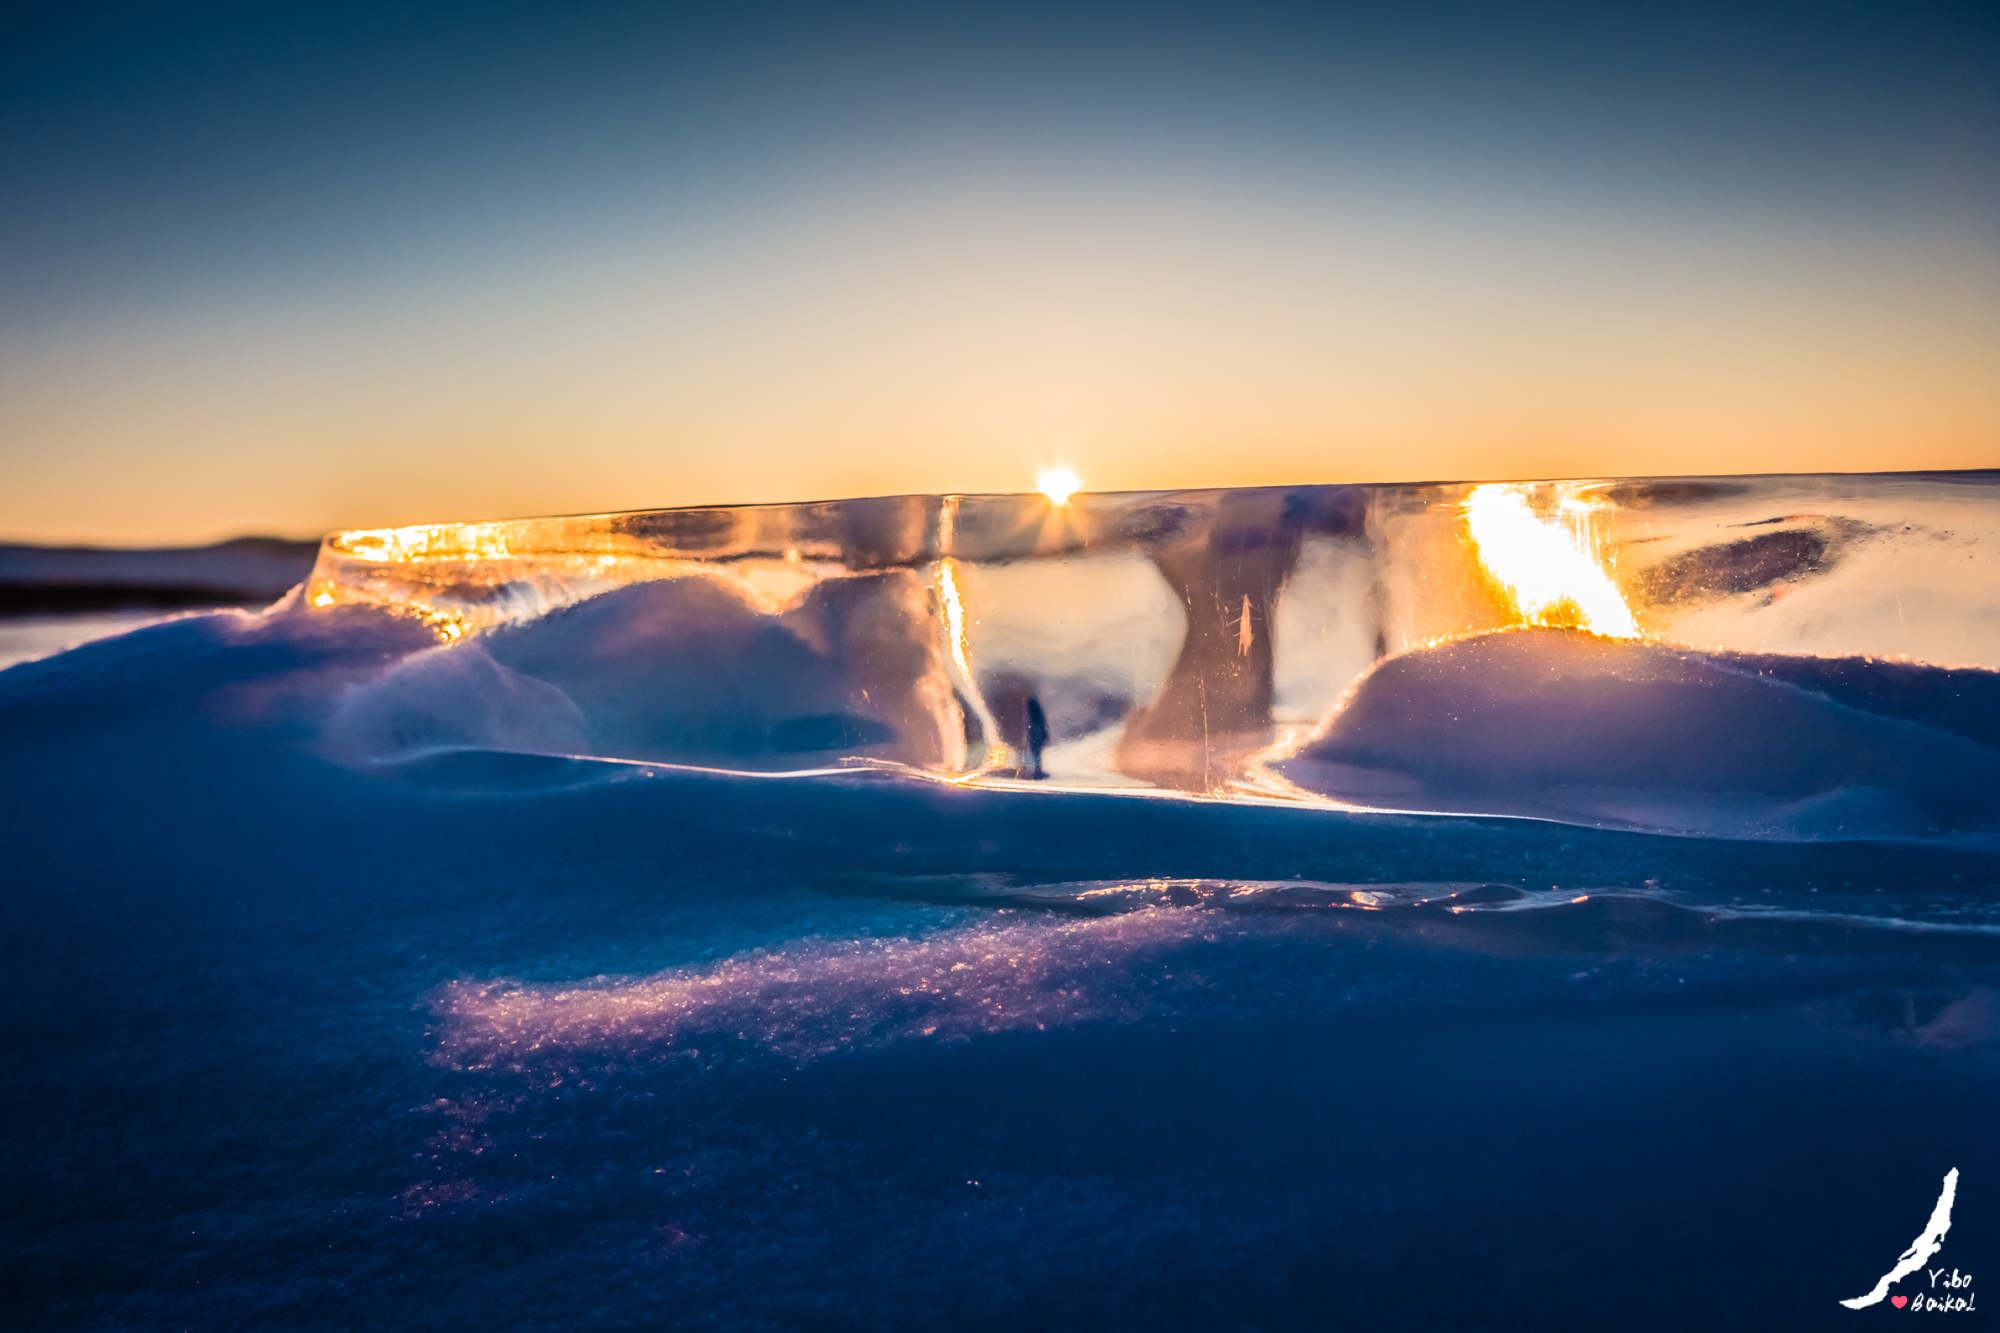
[
  {"x": 28, "y": 638},
  {"x": 496, "y": 1040},
  {"x": 1230, "y": 910}
]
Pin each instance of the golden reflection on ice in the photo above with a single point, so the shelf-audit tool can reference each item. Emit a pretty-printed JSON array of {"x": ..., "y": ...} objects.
[
  {"x": 460, "y": 578},
  {"x": 947, "y": 523},
  {"x": 954, "y": 614},
  {"x": 479, "y": 541},
  {"x": 953, "y": 602},
  {"x": 1546, "y": 565}
]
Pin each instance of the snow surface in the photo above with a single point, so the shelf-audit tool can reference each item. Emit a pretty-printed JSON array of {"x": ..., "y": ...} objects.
[
  {"x": 29, "y": 638},
  {"x": 336, "y": 997},
  {"x": 1568, "y": 725}
]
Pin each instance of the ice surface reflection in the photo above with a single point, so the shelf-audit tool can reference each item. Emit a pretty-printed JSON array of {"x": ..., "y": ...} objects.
[
  {"x": 1164, "y": 949},
  {"x": 813, "y": 997},
  {"x": 1223, "y": 643},
  {"x": 1165, "y": 953}
]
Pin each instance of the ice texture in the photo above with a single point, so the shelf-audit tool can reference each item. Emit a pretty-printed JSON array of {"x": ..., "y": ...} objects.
[
  {"x": 1729, "y": 657},
  {"x": 699, "y": 950},
  {"x": 687, "y": 670}
]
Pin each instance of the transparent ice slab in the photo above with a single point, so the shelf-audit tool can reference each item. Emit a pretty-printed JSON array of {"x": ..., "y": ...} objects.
[{"x": 1781, "y": 656}]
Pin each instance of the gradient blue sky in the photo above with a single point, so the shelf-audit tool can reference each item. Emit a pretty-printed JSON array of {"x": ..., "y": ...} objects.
[{"x": 293, "y": 267}]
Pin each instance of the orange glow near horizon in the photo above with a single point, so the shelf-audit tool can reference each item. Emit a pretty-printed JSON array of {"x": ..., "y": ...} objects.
[
  {"x": 1546, "y": 565},
  {"x": 1168, "y": 333}
]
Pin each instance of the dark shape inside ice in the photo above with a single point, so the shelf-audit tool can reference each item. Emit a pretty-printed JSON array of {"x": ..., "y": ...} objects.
[
  {"x": 1737, "y": 567},
  {"x": 829, "y": 731}
]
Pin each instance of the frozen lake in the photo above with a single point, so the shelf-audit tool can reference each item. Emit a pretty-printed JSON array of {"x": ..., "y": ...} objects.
[{"x": 320, "y": 1014}]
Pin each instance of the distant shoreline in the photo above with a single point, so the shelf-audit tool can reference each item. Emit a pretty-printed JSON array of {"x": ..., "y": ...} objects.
[
  {"x": 55, "y": 599},
  {"x": 76, "y": 580}
]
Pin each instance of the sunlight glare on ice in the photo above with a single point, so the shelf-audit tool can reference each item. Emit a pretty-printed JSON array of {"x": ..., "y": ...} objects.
[{"x": 1544, "y": 565}]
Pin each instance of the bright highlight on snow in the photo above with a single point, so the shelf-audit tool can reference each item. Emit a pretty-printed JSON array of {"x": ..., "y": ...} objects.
[
  {"x": 1058, "y": 483},
  {"x": 1546, "y": 567}
]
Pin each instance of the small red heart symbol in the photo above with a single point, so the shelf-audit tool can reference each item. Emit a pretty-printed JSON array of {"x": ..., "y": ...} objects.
[{"x": 1899, "y": 1301}]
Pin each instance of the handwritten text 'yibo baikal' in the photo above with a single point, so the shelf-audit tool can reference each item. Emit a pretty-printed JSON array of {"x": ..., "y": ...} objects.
[{"x": 1950, "y": 1294}]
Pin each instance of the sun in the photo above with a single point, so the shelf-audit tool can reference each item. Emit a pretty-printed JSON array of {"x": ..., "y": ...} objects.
[{"x": 1058, "y": 483}]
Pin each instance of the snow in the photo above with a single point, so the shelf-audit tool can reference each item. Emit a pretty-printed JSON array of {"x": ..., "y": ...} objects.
[
  {"x": 351, "y": 976},
  {"x": 1567, "y": 725}
]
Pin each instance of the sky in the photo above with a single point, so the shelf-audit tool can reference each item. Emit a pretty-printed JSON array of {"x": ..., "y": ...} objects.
[{"x": 286, "y": 268}]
